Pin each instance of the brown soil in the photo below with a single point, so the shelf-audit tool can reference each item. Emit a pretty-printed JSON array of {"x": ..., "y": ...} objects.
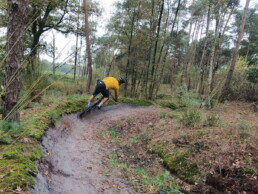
[
  {"x": 76, "y": 155},
  {"x": 226, "y": 155}
]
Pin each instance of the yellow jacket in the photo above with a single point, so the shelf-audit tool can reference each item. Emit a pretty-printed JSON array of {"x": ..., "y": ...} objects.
[{"x": 112, "y": 83}]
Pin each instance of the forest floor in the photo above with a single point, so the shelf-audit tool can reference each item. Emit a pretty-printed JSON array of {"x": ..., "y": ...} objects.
[
  {"x": 131, "y": 149},
  {"x": 125, "y": 149}
]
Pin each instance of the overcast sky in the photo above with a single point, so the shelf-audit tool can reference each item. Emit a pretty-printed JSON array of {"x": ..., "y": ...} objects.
[{"x": 107, "y": 10}]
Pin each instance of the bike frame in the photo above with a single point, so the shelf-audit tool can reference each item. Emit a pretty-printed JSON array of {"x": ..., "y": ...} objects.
[{"x": 93, "y": 106}]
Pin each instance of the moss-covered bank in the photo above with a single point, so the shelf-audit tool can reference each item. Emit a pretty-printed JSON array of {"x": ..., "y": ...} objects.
[
  {"x": 175, "y": 159},
  {"x": 17, "y": 159}
]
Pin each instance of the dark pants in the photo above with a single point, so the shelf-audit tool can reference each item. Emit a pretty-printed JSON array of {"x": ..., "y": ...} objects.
[{"x": 101, "y": 88}]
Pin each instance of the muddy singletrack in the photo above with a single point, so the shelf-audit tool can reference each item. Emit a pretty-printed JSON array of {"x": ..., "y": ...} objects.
[{"x": 75, "y": 161}]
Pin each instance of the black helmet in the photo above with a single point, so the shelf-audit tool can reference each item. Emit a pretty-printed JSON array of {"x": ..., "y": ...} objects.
[{"x": 121, "y": 80}]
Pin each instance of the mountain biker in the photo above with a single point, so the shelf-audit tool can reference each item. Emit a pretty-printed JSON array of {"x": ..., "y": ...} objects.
[{"x": 103, "y": 87}]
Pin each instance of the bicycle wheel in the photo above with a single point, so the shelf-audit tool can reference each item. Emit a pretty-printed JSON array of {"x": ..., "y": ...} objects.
[
  {"x": 84, "y": 112},
  {"x": 89, "y": 109}
]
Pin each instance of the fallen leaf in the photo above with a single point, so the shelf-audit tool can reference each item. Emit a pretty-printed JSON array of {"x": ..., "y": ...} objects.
[
  {"x": 26, "y": 140},
  {"x": 18, "y": 190}
]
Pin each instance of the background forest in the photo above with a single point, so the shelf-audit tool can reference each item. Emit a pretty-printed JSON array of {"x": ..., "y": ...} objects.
[
  {"x": 195, "y": 62},
  {"x": 158, "y": 46}
]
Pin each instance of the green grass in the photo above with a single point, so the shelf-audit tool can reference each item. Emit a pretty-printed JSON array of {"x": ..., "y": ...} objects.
[
  {"x": 161, "y": 182},
  {"x": 135, "y": 139},
  {"x": 112, "y": 133},
  {"x": 141, "y": 180}
]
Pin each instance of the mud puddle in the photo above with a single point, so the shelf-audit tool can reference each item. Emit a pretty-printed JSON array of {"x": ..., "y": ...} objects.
[{"x": 75, "y": 161}]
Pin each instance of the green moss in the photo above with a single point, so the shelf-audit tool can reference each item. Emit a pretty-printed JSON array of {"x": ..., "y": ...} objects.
[
  {"x": 112, "y": 133},
  {"x": 35, "y": 126},
  {"x": 201, "y": 133},
  {"x": 54, "y": 115},
  {"x": 158, "y": 148},
  {"x": 71, "y": 106},
  {"x": 177, "y": 162},
  {"x": 5, "y": 138},
  {"x": 7, "y": 130},
  {"x": 171, "y": 105},
  {"x": 175, "y": 159},
  {"x": 15, "y": 173},
  {"x": 212, "y": 120},
  {"x": 244, "y": 171},
  {"x": 169, "y": 115},
  {"x": 14, "y": 165},
  {"x": 35, "y": 153},
  {"x": 136, "y": 102},
  {"x": 11, "y": 154},
  {"x": 135, "y": 139}
]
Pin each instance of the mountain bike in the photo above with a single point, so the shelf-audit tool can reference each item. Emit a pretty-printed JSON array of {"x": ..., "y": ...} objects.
[{"x": 93, "y": 106}]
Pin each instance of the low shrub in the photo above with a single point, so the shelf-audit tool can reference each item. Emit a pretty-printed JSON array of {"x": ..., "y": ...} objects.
[
  {"x": 9, "y": 130},
  {"x": 212, "y": 120},
  {"x": 186, "y": 98},
  {"x": 191, "y": 118},
  {"x": 164, "y": 115}
]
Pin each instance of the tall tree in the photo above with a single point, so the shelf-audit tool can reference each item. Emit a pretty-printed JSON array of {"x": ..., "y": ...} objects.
[
  {"x": 200, "y": 84},
  {"x": 235, "y": 54},
  {"x": 17, "y": 11},
  {"x": 154, "y": 61},
  {"x": 88, "y": 46},
  {"x": 44, "y": 16}
]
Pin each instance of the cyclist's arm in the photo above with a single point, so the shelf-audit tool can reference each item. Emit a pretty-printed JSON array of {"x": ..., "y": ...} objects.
[{"x": 116, "y": 94}]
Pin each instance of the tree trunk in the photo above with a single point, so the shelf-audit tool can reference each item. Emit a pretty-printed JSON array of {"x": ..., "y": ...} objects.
[
  {"x": 188, "y": 49},
  {"x": 13, "y": 64},
  {"x": 54, "y": 54},
  {"x": 220, "y": 41},
  {"x": 127, "y": 69},
  {"x": 87, "y": 34},
  {"x": 76, "y": 55},
  {"x": 235, "y": 54},
  {"x": 149, "y": 54},
  {"x": 200, "y": 84},
  {"x": 152, "y": 85}
]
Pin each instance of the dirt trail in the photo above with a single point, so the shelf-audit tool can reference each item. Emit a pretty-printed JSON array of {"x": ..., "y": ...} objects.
[{"x": 74, "y": 161}]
